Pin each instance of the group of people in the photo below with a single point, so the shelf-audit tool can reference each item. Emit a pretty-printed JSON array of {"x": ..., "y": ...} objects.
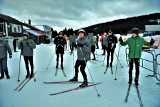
[{"x": 84, "y": 44}]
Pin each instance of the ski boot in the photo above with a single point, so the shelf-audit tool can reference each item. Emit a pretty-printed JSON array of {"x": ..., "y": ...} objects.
[
  {"x": 136, "y": 81},
  {"x": 74, "y": 79},
  {"x": 32, "y": 74},
  {"x": 7, "y": 75},
  {"x": 28, "y": 74},
  {"x": 84, "y": 84},
  {"x": 130, "y": 80}
]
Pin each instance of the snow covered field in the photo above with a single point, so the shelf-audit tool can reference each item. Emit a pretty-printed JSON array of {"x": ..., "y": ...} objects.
[{"x": 36, "y": 94}]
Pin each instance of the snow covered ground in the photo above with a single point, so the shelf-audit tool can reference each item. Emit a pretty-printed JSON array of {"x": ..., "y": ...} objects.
[{"x": 36, "y": 94}]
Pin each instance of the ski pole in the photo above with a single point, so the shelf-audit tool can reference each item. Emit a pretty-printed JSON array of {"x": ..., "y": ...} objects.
[
  {"x": 118, "y": 60},
  {"x": 117, "y": 64},
  {"x": 104, "y": 60},
  {"x": 73, "y": 61},
  {"x": 49, "y": 62},
  {"x": 90, "y": 74},
  {"x": 19, "y": 66}
]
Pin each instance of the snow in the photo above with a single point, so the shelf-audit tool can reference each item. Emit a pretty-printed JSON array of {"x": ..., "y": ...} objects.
[{"x": 36, "y": 94}]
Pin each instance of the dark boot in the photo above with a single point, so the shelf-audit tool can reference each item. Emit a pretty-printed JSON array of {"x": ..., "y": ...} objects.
[
  {"x": 84, "y": 84},
  {"x": 7, "y": 74},
  {"x": 2, "y": 75},
  {"x": 136, "y": 81},
  {"x": 28, "y": 74},
  {"x": 74, "y": 79},
  {"x": 32, "y": 74},
  {"x": 130, "y": 80}
]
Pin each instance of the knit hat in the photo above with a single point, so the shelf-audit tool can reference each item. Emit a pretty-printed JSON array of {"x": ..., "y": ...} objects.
[
  {"x": 25, "y": 34},
  {"x": 135, "y": 30},
  {"x": 81, "y": 31}
]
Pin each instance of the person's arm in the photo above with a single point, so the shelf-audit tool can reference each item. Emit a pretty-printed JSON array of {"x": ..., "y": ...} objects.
[
  {"x": 122, "y": 42},
  {"x": 32, "y": 44},
  {"x": 152, "y": 41},
  {"x": 20, "y": 45},
  {"x": 8, "y": 49}
]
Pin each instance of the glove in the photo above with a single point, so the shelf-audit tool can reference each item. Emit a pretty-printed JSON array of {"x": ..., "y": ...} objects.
[
  {"x": 21, "y": 44},
  {"x": 80, "y": 45},
  {"x": 10, "y": 56},
  {"x": 152, "y": 41},
  {"x": 120, "y": 39},
  {"x": 27, "y": 44}
]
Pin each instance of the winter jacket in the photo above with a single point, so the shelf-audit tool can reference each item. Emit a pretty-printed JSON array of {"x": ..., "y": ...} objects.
[
  {"x": 72, "y": 39},
  {"x": 27, "y": 50},
  {"x": 83, "y": 53},
  {"x": 111, "y": 42},
  {"x": 135, "y": 45},
  {"x": 105, "y": 41},
  {"x": 59, "y": 42},
  {"x": 4, "y": 47},
  {"x": 93, "y": 41}
]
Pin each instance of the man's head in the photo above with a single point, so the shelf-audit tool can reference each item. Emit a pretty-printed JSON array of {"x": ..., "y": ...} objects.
[
  {"x": 105, "y": 34},
  {"x": 25, "y": 36},
  {"x": 110, "y": 32},
  {"x": 135, "y": 32},
  {"x": 60, "y": 33},
  {"x": 81, "y": 33}
]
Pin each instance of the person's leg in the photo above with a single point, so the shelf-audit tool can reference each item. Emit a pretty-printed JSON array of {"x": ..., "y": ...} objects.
[
  {"x": 75, "y": 78},
  {"x": 5, "y": 68},
  {"x": 27, "y": 66},
  {"x": 136, "y": 60},
  {"x": 1, "y": 69},
  {"x": 14, "y": 45},
  {"x": 62, "y": 61},
  {"x": 130, "y": 70},
  {"x": 108, "y": 55},
  {"x": 32, "y": 65},
  {"x": 57, "y": 61},
  {"x": 82, "y": 69},
  {"x": 112, "y": 56}
]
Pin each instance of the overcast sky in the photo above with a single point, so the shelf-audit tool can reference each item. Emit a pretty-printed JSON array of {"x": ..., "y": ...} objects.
[{"x": 76, "y": 13}]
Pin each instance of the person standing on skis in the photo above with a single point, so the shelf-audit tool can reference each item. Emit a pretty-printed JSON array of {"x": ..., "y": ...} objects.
[
  {"x": 83, "y": 52},
  {"x": 93, "y": 45},
  {"x": 27, "y": 46},
  {"x": 60, "y": 43},
  {"x": 135, "y": 44},
  {"x": 110, "y": 47},
  {"x": 72, "y": 41},
  {"x": 4, "y": 47},
  {"x": 104, "y": 42}
]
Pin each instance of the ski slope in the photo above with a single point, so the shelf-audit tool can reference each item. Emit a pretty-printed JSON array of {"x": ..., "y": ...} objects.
[{"x": 36, "y": 94}]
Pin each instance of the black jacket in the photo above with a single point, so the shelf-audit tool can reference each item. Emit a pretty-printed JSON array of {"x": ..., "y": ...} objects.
[{"x": 111, "y": 41}]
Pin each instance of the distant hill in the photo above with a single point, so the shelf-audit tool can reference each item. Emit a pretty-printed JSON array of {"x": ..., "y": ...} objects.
[{"x": 122, "y": 26}]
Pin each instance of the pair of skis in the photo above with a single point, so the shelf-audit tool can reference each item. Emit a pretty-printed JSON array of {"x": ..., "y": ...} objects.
[
  {"x": 24, "y": 82},
  {"x": 107, "y": 69},
  {"x": 69, "y": 90},
  {"x": 138, "y": 94},
  {"x": 62, "y": 72}
]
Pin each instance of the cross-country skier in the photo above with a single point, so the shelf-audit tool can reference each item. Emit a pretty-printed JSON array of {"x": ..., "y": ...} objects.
[
  {"x": 72, "y": 41},
  {"x": 4, "y": 47},
  {"x": 15, "y": 43},
  {"x": 27, "y": 45},
  {"x": 111, "y": 45},
  {"x": 60, "y": 43},
  {"x": 135, "y": 44},
  {"x": 104, "y": 42},
  {"x": 83, "y": 52},
  {"x": 93, "y": 45}
]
